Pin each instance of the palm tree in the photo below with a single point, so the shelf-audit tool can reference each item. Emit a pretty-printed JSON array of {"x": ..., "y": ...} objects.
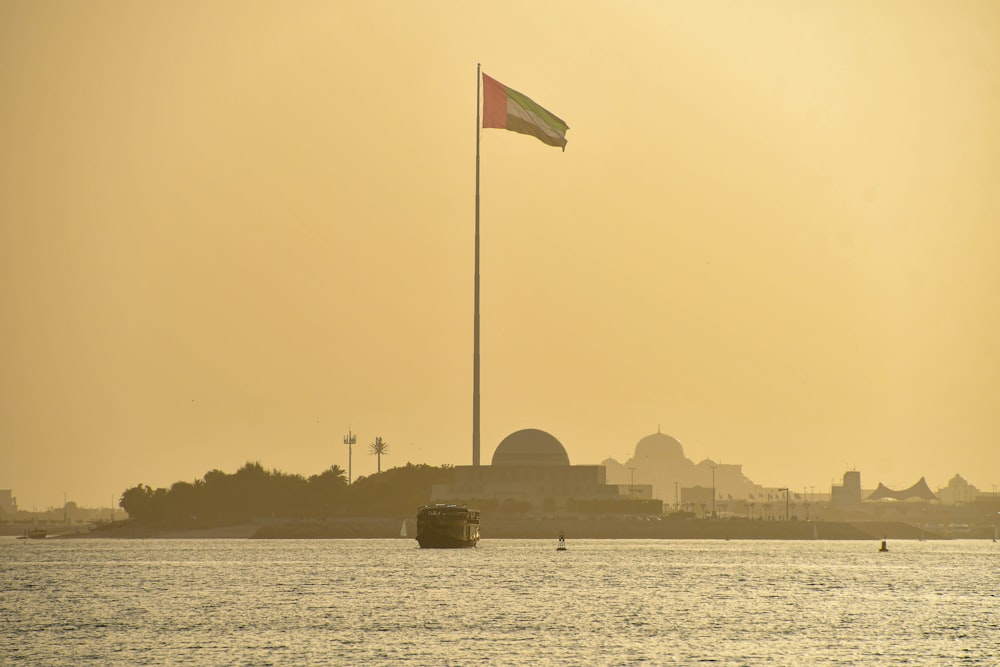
[
  {"x": 378, "y": 448},
  {"x": 334, "y": 476}
]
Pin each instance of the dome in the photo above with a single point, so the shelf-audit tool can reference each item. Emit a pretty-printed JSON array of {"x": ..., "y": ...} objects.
[
  {"x": 530, "y": 447},
  {"x": 659, "y": 446}
]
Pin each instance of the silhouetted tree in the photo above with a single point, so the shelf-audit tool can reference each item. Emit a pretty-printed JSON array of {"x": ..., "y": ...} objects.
[
  {"x": 183, "y": 501},
  {"x": 326, "y": 491},
  {"x": 378, "y": 448},
  {"x": 332, "y": 479},
  {"x": 252, "y": 491},
  {"x": 397, "y": 491},
  {"x": 136, "y": 501}
]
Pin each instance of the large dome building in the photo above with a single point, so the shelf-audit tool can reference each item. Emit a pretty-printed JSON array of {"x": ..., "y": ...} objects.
[
  {"x": 531, "y": 470},
  {"x": 659, "y": 460},
  {"x": 659, "y": 447},
  {"x": 530, "y": 447}
]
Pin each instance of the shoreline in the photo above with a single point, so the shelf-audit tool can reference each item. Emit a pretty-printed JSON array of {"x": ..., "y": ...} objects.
[{"x": 549, "y": 528}]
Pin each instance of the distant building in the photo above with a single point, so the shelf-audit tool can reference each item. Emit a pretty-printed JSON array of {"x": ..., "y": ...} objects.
[
  {"x": 531, "y": 469},
  {"x": 849, "y": 493},
  {"x": 659, "y": 460},
  {"x": 958, "y": 492},
  {"x": 8, "y": 503},
  {"x": 697, "y": 499},
  {"x": 919, "y": 491}
]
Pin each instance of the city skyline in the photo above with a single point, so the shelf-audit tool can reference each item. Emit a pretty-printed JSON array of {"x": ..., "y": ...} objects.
[
  {"x": 811, "y": 490},
  {"x": 230, "y": 232}
]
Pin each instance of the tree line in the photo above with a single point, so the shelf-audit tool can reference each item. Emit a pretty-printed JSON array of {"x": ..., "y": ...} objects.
[{"x": 253, "y": 492}]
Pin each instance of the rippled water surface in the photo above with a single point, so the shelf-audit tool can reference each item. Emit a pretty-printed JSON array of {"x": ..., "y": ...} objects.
[{"x": 507, "y": 602}]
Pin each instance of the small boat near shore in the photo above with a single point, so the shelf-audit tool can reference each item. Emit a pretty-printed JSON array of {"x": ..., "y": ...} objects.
[
  {"x": 34, "y": 534},
  {"x": 446, "y": 526}
]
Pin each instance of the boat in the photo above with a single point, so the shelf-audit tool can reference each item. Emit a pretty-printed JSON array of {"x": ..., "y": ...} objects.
[
  {"x": 402, "y": 531},
  {"x": 447, "y": 526},
  {"x": 34, "y": 534},
  {"x": 562, "y": 542}
]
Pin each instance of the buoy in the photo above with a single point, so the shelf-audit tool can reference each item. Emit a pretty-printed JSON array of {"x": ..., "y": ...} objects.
[
  {"x": 562, "y": 542},
  {"x": 884, "y": 547}
]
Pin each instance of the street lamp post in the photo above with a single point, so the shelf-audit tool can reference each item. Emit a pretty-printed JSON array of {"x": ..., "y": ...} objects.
[
  {"x": 631, "y": 486},
  {"x": 349, "y": 440}
]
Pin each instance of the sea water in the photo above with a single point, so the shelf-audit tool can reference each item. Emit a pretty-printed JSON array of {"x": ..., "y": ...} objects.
[{"x": 506, "y": 602}]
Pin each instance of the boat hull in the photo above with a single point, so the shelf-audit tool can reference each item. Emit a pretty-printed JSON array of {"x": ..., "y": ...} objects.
[
  {"x": 435, "y": 541},
  {"x": 37, "y": 534}
]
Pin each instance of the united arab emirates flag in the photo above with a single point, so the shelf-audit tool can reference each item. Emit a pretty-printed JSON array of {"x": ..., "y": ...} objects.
[{"x": 508, "y": 109}]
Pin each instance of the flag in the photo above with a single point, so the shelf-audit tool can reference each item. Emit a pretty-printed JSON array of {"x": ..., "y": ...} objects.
[{"x": 508, "y": 109}]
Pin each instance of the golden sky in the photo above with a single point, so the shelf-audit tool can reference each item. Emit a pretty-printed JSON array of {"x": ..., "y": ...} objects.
[{"x": 231, "y": 230}]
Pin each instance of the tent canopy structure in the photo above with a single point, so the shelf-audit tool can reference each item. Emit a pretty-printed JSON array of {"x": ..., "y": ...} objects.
[{"x": 920, "y": 490}]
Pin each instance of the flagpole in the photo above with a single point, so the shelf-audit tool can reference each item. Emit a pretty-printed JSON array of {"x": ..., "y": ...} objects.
[{"x": 475, "y": 316}]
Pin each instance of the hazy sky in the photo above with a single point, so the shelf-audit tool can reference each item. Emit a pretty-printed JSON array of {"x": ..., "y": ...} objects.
[{"x": 231, "y": 230}]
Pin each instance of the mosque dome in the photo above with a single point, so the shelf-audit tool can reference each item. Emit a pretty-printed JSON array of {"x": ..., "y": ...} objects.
[
  {"x": 659, "y": 446},
  {"x": 530, "y": 447}
]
